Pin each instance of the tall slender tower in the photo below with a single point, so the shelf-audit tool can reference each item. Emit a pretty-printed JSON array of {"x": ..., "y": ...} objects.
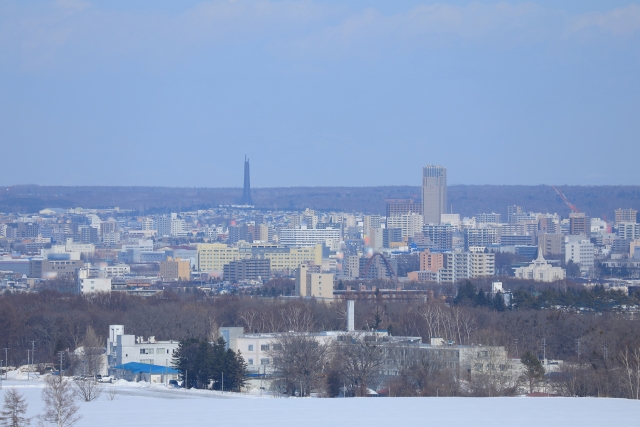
[
  {"x": 246, "y": 194},
  {"x": 434, "y": 193}
]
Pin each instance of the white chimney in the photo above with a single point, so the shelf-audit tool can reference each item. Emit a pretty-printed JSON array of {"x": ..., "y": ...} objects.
[{"x": 350, "y": 315}]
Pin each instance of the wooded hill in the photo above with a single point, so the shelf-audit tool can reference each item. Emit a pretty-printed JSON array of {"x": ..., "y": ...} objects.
[{"x": 467, "y": 200}]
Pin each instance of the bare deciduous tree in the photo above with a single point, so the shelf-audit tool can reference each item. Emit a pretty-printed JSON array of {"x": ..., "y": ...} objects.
[
  {"x": 93, "y": 352},
  {"x": 60, "y": 404},
  {"x": 14, "y": 410},
  {"x": 360, "y": 360},
  {"x": 112, "y": 392},
  {"x": 631, "y": 371},
  {"x": 301, "y": 359},
  {"x": 87, "y": 389}
]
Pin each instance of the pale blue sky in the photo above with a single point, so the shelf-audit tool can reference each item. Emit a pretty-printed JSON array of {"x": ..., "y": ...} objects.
[{"x": 318, "y": 93}]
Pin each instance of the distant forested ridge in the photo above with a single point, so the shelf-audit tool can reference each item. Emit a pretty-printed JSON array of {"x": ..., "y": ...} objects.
[{"x": 468, "y": 200}]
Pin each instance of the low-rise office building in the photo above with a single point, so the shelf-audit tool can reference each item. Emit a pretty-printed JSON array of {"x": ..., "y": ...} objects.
[{"x": 122, "y": 349}]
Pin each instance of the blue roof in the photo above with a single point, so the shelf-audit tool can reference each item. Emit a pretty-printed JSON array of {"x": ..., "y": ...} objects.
[{"x": 136, "y": 368}]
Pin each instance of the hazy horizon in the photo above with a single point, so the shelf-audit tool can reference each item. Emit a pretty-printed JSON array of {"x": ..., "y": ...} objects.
[{"x": 319, "y": 94}]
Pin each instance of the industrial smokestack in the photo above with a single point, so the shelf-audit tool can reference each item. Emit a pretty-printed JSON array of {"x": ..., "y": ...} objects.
[{"x": 350, "y": 315}]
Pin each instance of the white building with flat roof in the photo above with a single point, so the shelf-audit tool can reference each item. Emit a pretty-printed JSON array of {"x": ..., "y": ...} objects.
[
  {"x": 94, "y": 285},
  {"x": 581, "y": 252},
  {"x": 122, "y": 348}
]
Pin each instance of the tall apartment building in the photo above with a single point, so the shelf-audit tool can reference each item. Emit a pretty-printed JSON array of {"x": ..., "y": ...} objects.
[
  {"x": 550, "y": 244},
  {"x": 579, "y": 223},
  {"x": 441, "y": 236},
  {"x": 351, "y": 266},
  {"x": 148, "y": 224},
  {"x": 163, "y": 225},
  {"x": 311, "y": 283},
  {"x": 370, "y": 221},
  {"x": 512, "y": 212},
  {"x": 434, "y": 193},
  {"x": 581, "y": 252},
  {"x": 376, "y": 238},
  {"x": 170, "y": 226},
  {"x": 309, "y": 218},
  {"x": 410, "y": 224},
  {"x": 626, "y": 215},
  {"x": 548, "y": 223},
  {"x": 391, "y": 237},
  {"x": 431, "y": 262},
  {"x": 248, "y": 269},
  {"x": 264, "y": 233},
  {"x": 28, "y": 230},
  {"x": 464, "y": 265},
  {"x": 488, "y": 218},
  {"x": 403, "y": 206},
  {"x": 481, "y": 237},
  {"x": 628, "y": 230},
  {"x": 238, "y": 233}
]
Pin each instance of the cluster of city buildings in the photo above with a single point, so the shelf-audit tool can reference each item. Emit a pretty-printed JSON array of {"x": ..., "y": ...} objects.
[{"x": 417, "y": 238}]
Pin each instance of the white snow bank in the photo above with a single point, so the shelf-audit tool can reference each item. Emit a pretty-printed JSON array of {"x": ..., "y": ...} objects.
[{"x": 159, "y": 407}]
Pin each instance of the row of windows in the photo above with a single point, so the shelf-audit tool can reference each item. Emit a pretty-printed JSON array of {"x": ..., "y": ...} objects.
[
  {"x": 264, "y": 361},
  {"x": 151, "y": 351},
  {"x": 265, "y": 347}
]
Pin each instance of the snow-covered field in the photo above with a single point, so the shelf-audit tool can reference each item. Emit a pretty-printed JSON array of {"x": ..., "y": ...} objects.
[{"x": 143, "y": 405}]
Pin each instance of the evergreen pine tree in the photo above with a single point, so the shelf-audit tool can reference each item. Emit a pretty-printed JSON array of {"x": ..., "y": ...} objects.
[
  {"x": 14, "y": 409},
  {"x": 481, "y": 299},
  {"x": 533, "y": 369},
  {"x": 466, "y": 294},
  {"x": 498, "y": 302}
]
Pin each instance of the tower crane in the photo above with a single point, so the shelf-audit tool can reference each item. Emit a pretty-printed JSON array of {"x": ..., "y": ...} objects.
[{"x": 566, "y": 201}]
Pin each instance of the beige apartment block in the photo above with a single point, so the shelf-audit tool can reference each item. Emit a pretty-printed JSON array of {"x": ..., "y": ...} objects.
[
  {"x": 175, "y": 269},
  {"x": 313, "y": 284}
]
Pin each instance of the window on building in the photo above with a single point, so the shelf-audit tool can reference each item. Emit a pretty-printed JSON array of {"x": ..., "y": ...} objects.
[
  {"x": 250, "y": 347},
  {"x": 277, "y": 346},
  {"x": 159, "y": 350},
  {"x": 264, "y": 347},
  {"x": 250, "y": 361},
  {"x": 264, "y": 361}
]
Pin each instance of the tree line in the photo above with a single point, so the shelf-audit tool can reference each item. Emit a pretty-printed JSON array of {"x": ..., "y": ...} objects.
[{"x": 594, "y": 341}]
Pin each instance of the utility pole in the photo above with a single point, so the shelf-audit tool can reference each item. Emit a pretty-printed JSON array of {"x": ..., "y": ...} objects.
[
  {"x": 6, "y": 364},
  {"x": 223, "y": 382},
  {"x": 60, "y": 372},
  {"x": 33, "y": 352},
  {"x": 28, "y": 364},
  {"x": 544, "y": 359},
  {"x": 578, "y": 344}
]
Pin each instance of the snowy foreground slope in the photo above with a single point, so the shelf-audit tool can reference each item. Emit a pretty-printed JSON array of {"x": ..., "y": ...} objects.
[{"x": 136, "y": 405}]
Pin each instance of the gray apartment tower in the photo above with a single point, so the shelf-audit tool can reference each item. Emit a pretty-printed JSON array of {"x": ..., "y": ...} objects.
[
  {"x": 246, "y": 193},
  {"x": 434, "y": 193}
]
